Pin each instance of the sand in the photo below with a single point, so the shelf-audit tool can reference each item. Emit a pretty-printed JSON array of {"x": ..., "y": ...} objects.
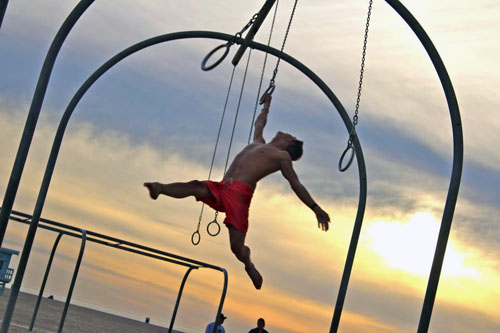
[{"x": 78, "y": 319}]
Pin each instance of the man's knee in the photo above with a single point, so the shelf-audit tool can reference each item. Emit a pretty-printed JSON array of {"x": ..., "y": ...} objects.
[
  {"x": 238, "y": 249},
  {"x": 199, "y": 189}
]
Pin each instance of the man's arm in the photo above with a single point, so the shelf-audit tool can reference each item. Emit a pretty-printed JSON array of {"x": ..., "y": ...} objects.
[
  {"x": 303, "y": 194},
  {"x": 261, "y": 120}
]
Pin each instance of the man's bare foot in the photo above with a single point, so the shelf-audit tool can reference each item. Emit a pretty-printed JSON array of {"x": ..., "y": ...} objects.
[
  {"x": 254, "y": 274},
  {"x": 154, "y": 191}
]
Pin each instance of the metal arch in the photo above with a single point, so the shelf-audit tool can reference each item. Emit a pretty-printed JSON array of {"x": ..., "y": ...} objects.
[
  {"x": 23, "y": 149},
  {"x": 187, "y": 35},
  {"x": 458, "y": 157}
]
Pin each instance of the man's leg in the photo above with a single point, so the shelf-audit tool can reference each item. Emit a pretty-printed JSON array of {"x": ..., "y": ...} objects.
[
  {"x": 179, "y": 190},
  {"x": 242, "y": 252}
]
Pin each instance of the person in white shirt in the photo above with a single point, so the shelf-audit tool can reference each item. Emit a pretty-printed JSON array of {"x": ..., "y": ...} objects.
[{"x": 220, "y": 328}]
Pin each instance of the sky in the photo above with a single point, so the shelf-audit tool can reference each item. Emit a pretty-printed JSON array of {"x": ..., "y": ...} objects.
[{"x": 155, "y": 116}]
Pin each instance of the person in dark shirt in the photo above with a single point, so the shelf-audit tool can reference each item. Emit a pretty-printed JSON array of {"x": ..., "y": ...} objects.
[{"x": 260, "y": 327}]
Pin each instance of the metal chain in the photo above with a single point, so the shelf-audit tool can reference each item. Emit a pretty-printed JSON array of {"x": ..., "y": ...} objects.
[
  {"x": 245, "y": 28},
  {"x": 270, "y": 89},
  {"x": 263, "y": 71},
  {"x": 215, "y": 148},
  {"x": 355, "y": 119}
]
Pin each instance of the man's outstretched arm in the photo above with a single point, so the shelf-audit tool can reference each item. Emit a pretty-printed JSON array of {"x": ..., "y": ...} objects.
[
  {"x": 261, "y": 120},
  {"x": 303, "y": 194}
]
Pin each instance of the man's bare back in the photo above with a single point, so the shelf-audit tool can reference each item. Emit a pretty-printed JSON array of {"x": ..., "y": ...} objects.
[{"x": 256, "y": 161}]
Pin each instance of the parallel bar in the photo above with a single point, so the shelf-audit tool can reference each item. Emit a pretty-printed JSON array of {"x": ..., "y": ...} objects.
[
  {"x": 121, "y": 241},
  {"x": 253, "y": 30},
  {"x": 117, "y": 246}
]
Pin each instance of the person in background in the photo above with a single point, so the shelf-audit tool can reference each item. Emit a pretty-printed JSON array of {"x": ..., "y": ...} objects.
[
  {"x": 220, "y": 328},
  {"x": 261, "y": 323}
]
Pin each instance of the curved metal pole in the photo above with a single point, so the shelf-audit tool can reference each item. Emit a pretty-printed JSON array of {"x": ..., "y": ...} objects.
[
  {"x": 177, "y": 36},
  {"x": 22, "y": 153},
  {"x": 44, "y": 282},
  {"x": 73, "y": 281},
  {"x": 456, "y": 172},
  {"x": 179, "y": 295},
  {"x": 3, "y": 9}
]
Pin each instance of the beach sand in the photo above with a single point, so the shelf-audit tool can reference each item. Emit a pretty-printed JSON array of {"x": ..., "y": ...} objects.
[{"x": 78, "y": 319}]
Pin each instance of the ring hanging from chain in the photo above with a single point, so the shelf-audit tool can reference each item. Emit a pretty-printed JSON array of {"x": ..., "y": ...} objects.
[
  {"x": 195, "y": 238},
  {"x": 214, "y": 221},
  {"x": 227, "y": 45},
  {"x": 352, "y": 133},
  {"x": 211, "y": 53},
  {"x": 230, "y": 142}
]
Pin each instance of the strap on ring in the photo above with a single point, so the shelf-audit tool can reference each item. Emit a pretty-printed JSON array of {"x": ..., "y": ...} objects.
[
  {"x": 211, "y": 53},
  {"x": 349, "y": 147},
  {"x": 218, "y": 228},
  {"x": 193, "y": 237}
]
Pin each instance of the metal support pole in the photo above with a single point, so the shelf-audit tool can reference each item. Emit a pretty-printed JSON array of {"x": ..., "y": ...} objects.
[
  {"x": 44, "y": 282},
  {"x": 344, "y": 283},
  {"x": 456, "y": 173},
  {"x": 253, "y": 30},
  {"x": 179, "y": 295},
  {"x": 222, "y": 297},
  {"x": 22, "y": 154},
  {"x": 3, "y": 9},
  {"x": 73, "y": 281}
]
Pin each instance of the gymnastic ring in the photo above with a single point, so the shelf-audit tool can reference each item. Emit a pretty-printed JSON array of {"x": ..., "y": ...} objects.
[
  {"x": 349, "y": 147},
  {"x": 269, "y": 91},
  {"x": 211, "y": 53},
  {"x": 218, "y": 228},
  {"x": 193, "y": 238}
]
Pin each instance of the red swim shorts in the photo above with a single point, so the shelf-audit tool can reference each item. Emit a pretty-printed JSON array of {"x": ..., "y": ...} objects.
[{"x": 233, "y": 198}]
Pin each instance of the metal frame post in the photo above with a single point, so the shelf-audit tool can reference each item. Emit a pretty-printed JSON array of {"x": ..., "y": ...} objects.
[
  {"x": 3, "y": 9},
  {"x": 73, "y": 281},
  {"x": 179, "y": 294},
  {"x": 44, "y": 282},
  {"x": 222, "y": 297}
]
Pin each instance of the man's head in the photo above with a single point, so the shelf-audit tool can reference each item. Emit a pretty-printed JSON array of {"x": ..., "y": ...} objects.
[
  {"x": 290, "y": 144},
  {"x": 222, "y": 318},
  {"x": 261, "y": 323}
]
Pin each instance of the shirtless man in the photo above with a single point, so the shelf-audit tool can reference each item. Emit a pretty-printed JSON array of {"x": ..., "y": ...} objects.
[{"x": 233, "y": 194}]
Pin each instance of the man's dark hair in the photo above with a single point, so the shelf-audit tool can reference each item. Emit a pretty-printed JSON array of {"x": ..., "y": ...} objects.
[
  {"x": 295, "y": 149},
  {"x": 262, "y": 320}
]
